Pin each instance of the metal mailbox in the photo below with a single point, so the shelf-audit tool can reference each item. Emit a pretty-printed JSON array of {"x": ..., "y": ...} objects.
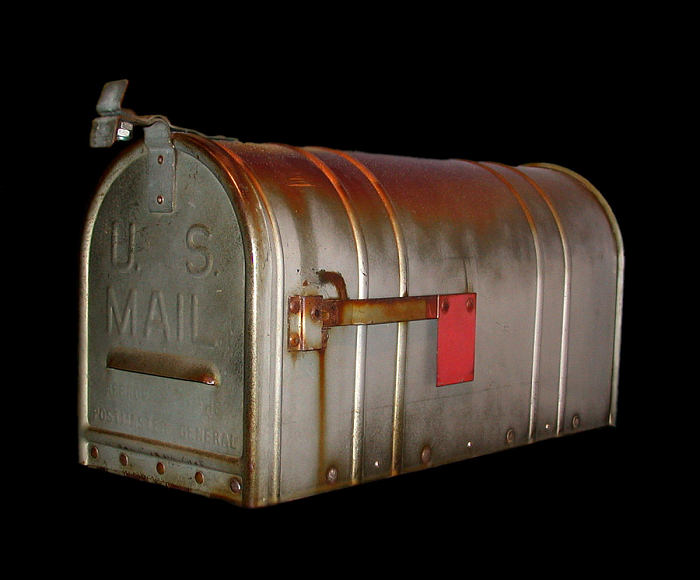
[{"x": 262, "y": 322}]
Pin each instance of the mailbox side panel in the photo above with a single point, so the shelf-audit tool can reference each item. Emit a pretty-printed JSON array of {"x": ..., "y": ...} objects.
[
  {"x": 535, "y": 245},
  {"x": 541, "y": 249}
]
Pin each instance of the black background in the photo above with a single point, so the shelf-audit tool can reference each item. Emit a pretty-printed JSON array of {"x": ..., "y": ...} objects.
[{"x": 567, "y": 100}]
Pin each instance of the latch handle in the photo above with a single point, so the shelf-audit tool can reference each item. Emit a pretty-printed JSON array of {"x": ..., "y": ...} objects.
[
  {"x": 116, "y": 123},
  {"x": 310, "y": 317}
]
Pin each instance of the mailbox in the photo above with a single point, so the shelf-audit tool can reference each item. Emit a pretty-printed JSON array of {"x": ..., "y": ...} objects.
[{"x": 264, "y": 322}]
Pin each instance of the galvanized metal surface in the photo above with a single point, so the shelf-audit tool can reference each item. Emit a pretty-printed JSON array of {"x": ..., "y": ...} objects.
[{"x": 254, "y": 225}]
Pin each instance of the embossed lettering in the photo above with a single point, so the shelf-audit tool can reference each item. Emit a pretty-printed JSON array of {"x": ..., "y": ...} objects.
[
  {"x": 195, "y": 323},
  {"x": 128, "y": 418},
  {"x": 157, "y": 320},
  {"x": 128, "y": 313},
  {"x": 124, "y": 393},
  {"x": 210, "y": 436},
  {"x": 126, "y": 262},
  {"x": 180, "y": 317},
  {"x": 211, "y": 410},
  {"x": 149, "y": 423},
  {"x": 194, "y": 243},
  {"x": 186, "y": 309}
]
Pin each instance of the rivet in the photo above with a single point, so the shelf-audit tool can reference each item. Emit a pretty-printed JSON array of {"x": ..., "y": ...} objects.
[
  {"x": 159, "y": 199},
  {"x": 470, "y": 304},
  {"x": 294, "y": 339},
  {"x": 510, "y": 436},
  {"x": 294, "y": 305},
  {"x": 235, "y": 485},
  {"x": 160, "y": 160},
  {"x": 547, "y": 427},
  {"x": 576, "y": 421},
  {"x": 160, "y": 468},
  {"x": 315, "y": 314},
  {"x": 332, "y": 474},
  {"x": 94, "y": 452},
  {"x": 426, "y": 454},
  {"x": 199, "y": 477},
  {"x": 123, "y": 459},
  {"x": 469, "y": 444}
]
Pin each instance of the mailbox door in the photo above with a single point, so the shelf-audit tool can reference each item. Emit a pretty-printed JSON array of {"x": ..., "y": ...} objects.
[{"x": 163, "y": 329}]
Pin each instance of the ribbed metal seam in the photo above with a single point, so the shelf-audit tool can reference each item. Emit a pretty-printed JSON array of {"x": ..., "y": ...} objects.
[
  {"x": 402, "y": 328},
  {"x": 617, "y": 234},
  {"x": 537, "y": 331},
  {"x": 361, "y": 331},
  {"x": 279, "y": 328},
  {"x": 566, "y": 301}
]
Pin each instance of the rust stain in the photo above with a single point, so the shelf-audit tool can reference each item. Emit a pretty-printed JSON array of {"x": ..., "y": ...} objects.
[
  {"x": 391, "y": 214},
  {"x": 379, "y": 310},
  {"x": 139, "y": 476},
  {"x": 163, "y": 365},
  {"x": 336, "y": 279},
  {"x": 321, "y": 416},
  {"x": 177, "y": 486},
  {"x": 166, "y": 444}
]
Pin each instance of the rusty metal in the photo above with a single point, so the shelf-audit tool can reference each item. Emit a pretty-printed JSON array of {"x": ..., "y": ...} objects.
[
  {"x": 379, "y": 310},
  {"x": 332, "y": 474},
  {"x": 163, "y": 365},
  {"x": 261, "y": 314},
  {"x": 426, "y": 455},
  {"x": 305, "y": 323},
  {"x": 310, "y": 317},
  {"x": 329, "y": 312}
]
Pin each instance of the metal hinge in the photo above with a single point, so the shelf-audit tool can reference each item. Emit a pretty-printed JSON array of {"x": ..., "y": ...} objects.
[
  {"x": 160, "y": 168},
  {"x": 116, "y": 123},
  {"x": 310, "y": 318}
]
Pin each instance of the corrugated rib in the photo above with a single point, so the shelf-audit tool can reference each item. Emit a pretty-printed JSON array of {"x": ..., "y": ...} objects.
[
  {"x": 280, "y": 310},
  {"x": 361, "y": 331},
  {"x": 401, "y": 332},
  {"x": 617, "y": 234},
  {"x": 566, "y": 303},
  {"x": 537, "y": 332}
]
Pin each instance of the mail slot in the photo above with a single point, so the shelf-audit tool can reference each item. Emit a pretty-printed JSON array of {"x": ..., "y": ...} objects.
[{"x": 264, "y": 322}]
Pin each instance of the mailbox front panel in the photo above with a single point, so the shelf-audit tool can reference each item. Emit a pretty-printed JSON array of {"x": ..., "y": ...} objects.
[{"x": 165, "y": 315}]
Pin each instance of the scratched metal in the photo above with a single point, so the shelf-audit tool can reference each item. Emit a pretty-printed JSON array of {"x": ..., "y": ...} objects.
[{"x": 260, "y": 223}]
